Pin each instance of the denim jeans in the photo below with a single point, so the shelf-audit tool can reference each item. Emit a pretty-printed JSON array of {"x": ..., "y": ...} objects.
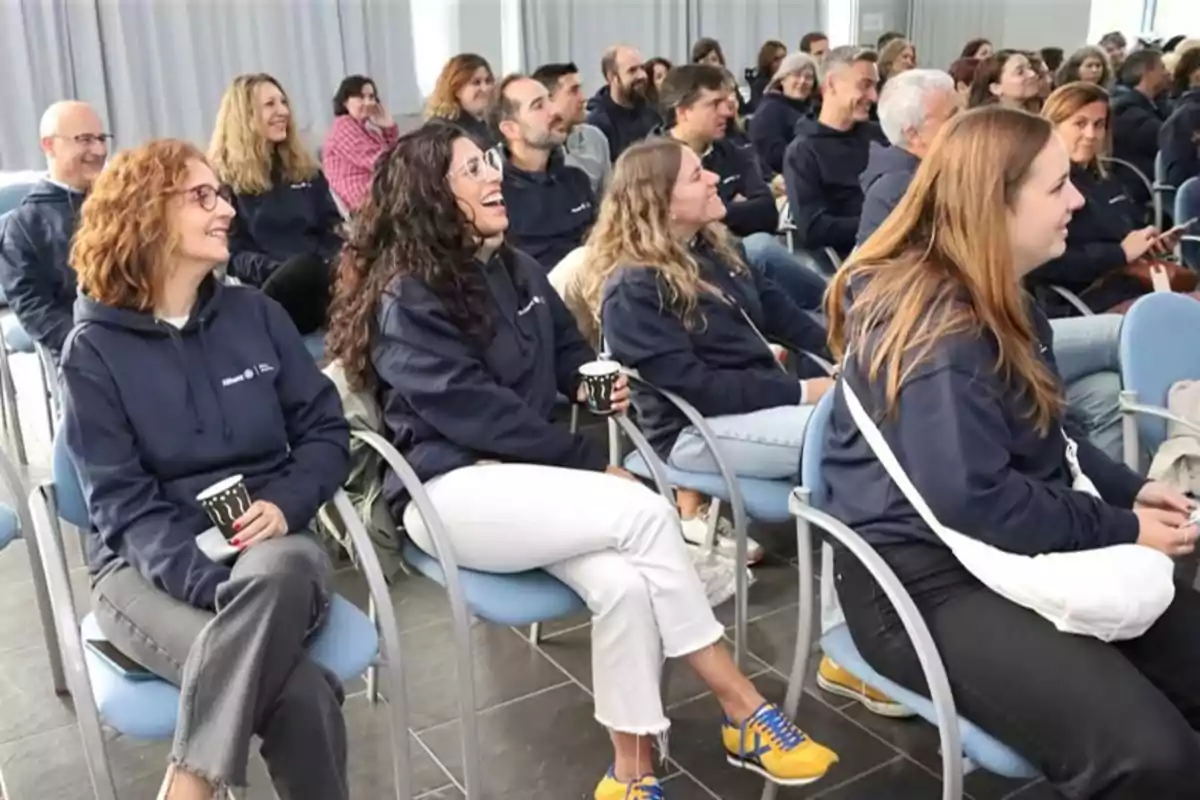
[
  {"x": 772, "y": 259},
  {"x": 761, "y": 444},
  {"x": 1088, "y": 361}
]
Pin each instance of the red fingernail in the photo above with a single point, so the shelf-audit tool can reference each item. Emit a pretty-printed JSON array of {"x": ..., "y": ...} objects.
[
  {"x": 234, "y": 542},
  {"x": 237, "y": 526}
]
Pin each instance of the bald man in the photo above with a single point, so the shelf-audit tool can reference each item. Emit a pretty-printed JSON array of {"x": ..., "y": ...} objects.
[
  {"x": 620, "y": 110},
  {"x": 35, "y": 239}
]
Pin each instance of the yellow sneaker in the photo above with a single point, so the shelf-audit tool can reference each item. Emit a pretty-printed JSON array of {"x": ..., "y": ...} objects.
[
  {"x": 771, "y": 745},
  {"x": 837, "y": 680},
  {"x": 644, "y": 788}
]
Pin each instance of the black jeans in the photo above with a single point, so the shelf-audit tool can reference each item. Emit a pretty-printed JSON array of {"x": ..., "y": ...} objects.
[
  {"x": 1114, "y": 721},
  {"x": 302, "y": 286}
]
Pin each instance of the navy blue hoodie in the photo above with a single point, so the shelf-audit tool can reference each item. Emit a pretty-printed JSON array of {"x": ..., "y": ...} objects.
[
  {"x": 35, "y": 246},
  {"x": 1179, "y": 142},
  {"x": 1136, "y": 120},
  {"x": 889, "y": 171},
  {"x": 721, "y": 366},
  {"x": 774, "y": 126},
  {"x": 153, "y": 415},
  {"x": 821, "y": 172},
  {"x": 287, "y": 220},
  {"x": 621, "y": 126},
  {"x": 1091, "y": 265},
  {"x": 550, "y": 212},
  {"x": 449, "y": 401},
  {"x": 739, "y": 174},
  {"x": 961, "y": 434}
]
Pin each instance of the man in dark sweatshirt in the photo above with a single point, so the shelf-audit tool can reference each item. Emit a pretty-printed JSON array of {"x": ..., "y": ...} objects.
[
  {"x": 550, "y": 203},
  {"x": 620, "y": 109},
  {"x": 1179, "y": 139},
  {"x": 693, "y": 97},
  {"x": 35, "y": 239},
  {"x": 822, "y": 170},
  {"x": 912, "y": 109},
  {"x": 1137, "y": 118}
]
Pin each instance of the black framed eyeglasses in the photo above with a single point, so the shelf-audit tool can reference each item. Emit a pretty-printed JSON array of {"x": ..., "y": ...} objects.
[
  {"x": 89, "y": 139},
  {"x": 205, "y": 195}
]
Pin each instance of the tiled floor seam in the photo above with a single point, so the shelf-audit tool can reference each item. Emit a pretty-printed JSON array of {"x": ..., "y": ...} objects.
[
  {"x": 437, "y": 762},
  {"x": 497, "y": 706}
]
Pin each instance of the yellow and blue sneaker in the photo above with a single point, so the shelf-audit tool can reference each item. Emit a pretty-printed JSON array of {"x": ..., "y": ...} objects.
[
  {"x": 770, "y": 744},
  {"x": 644, "y": 788},
  {"x": 836, "y": 679}
]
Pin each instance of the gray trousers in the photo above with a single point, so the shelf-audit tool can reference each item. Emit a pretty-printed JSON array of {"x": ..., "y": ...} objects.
[{"x": 243, "y": 671}]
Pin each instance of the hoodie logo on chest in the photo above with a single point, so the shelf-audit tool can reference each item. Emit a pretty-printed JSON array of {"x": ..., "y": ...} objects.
[
  {"x": 533, "y": 303},
  {"x": 249, "y": 374},
  {"x": 584, "y": 206},
  {"x": 730, "y": 179}
]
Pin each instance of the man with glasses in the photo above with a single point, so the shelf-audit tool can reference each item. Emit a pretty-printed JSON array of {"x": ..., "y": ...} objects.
[{"x": 35, "y": 239}]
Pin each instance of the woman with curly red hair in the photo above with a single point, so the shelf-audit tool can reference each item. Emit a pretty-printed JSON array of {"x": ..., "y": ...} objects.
[{"x": 174, "y": 383}]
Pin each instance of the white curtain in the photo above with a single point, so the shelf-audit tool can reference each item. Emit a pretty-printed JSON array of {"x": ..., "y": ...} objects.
[
  {"x": 741, "y": 26},
  {"x": 940, "y": 28},
  {"x": 581, "y": 30},
  {"x": 159, "y": 68}
]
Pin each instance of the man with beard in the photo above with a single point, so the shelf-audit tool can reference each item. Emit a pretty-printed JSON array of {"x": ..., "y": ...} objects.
[
  {"x": 550, "y": 203},
  {"x": 822, "y": 170},
  {"x": 35, "y": 240},
  {"x": 620, "y": 109},
  {"x": 585, "y": 146}
]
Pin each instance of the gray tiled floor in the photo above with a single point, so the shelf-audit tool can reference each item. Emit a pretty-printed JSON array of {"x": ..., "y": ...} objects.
[{"x": 539, "y": 741}]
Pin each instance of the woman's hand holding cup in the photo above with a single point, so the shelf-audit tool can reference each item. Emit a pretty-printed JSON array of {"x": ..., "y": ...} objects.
[
  {"x": 262, "y": 521},
  {"x": 604, "y": 388}
]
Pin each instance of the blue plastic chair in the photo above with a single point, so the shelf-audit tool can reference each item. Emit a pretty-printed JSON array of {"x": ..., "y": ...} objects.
[
  {"x": 14, "y": 339},
  {"x": 519, "y": 600},
  {"x": 958, "y": 736},
  {"x": 349, "y": 644},
  {"x": 1187, "y": 206},
  {"x": 1157, "y": 349}
]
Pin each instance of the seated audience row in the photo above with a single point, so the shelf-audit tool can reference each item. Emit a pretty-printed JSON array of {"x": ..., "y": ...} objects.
[{"x": 467, "y": 345}]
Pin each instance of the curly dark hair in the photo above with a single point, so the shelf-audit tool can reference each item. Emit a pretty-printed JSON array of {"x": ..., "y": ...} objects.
[{"x": 410, "y": 225}]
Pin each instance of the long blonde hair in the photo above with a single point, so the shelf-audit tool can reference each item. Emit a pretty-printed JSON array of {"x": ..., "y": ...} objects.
[
  {"x": 634, "y": 230},
  {"x": 941, "y": 264},
  {"x": 239, "y": 152}
]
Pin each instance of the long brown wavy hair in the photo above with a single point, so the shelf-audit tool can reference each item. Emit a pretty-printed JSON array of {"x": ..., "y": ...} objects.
[
  {"x": 410, "y": 225},
  {"x": 634, "y": 230},
  {"x": 941, "y": 264},
  {"x": 239, "y": 152},
  {"x": 125, "y": 233},
  {"x": 458, "y": 72},
  {"x": 1068, "y": 100}
]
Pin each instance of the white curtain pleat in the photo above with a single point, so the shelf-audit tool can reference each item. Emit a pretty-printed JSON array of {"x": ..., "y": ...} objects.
[{"x": 155, "y": 69}]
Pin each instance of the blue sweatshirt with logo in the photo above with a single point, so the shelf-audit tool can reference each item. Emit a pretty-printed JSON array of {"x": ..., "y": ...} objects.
[
  {"x": 549, "y": 212},
  {"x": 154, "y": 414},
  {"x": 35, "y": 246},
  {"x": 962, "y": 434},
  {"x": 288, "y": 220},
  {"x": 449, "y": 400},
  {"x": 721, "y": 364}
]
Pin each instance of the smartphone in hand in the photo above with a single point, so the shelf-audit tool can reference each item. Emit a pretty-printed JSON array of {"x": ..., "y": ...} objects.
[{"x": 1178, "y": 229}]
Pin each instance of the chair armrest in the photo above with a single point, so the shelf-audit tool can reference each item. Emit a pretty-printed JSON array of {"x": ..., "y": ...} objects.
[
  {"x": 657, "y": 472},
  {"x": 741, "y": 522},
  {"x": 1132, "y": 168},
  {"x": 914, "y": 626},
  {"x": 833, "y": 257},
  {"x": 1128, "y": 406},
  {"x": 1073, "y": 299},
  {"x": 444, "y": 553}
]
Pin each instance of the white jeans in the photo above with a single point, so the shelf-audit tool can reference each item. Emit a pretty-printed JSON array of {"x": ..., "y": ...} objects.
[{"x": 613, "y": 541}]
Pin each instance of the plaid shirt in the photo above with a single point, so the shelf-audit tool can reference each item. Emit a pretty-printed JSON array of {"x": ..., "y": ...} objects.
[{"x": 349, "y": 154}]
